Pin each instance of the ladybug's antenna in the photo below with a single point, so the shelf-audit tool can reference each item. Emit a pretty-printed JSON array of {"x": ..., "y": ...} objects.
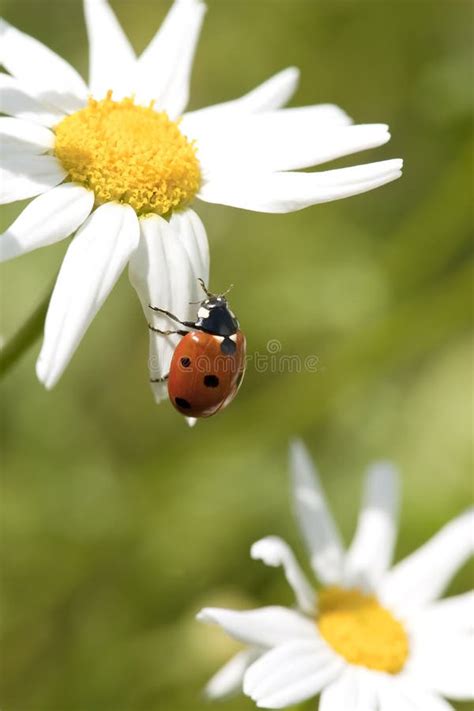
[
  {"x": 209, "y": 293},
  {"x": 227, "y": 290},
  {"x": 205, "y": 289}
]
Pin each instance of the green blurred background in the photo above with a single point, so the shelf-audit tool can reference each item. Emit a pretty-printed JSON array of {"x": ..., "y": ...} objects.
[{"x": 118, "y": 521}]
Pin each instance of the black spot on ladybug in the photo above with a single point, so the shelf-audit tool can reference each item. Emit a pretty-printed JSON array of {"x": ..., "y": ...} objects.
[
  {"x": 182, "y": 403},
  {"x": 211, "y": 381},
  {"x": 185, "y": 362},
  {"x": 228, "y": 347}
]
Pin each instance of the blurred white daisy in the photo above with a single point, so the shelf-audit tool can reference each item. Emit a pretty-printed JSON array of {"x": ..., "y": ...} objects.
[
  {"x": 371, "y": 638},
  {"x": 117, "y": 163}
]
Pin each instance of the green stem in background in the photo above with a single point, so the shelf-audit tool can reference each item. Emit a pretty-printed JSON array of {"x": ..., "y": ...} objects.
[{"x": 24, "y": 338}]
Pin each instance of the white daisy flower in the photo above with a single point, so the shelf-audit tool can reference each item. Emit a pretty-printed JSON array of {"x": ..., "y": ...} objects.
[
  {"x": 118, "y": 162},
  {"x": 371, "y": 638}
]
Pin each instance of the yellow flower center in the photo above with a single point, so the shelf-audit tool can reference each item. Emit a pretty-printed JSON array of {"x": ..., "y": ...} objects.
[
  {"x": 362, "y": 631},
  {"x": 130, "y": 154}
]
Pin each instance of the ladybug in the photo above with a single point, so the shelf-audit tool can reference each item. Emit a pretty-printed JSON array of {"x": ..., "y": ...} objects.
[{"x": 208, "y": 363}]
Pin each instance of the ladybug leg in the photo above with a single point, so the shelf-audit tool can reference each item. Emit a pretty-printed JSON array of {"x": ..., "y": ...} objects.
[
  {"x": 163, "y": 379},
  {"x": 189, "y": 324},
  {"x": 166, "y": 333}
]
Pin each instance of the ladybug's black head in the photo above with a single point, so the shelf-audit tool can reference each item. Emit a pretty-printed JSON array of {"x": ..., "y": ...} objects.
[
  {"x": 214, "y": 316},
  {"x": 214, "y": 302}
]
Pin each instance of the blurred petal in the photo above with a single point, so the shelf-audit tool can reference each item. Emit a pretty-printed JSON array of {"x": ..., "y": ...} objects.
[
  {"x": 274, "y": 551},
  {"x": 16, "y": 100},
  {"x": 351, "y": 691},
  {"x": 94, "y": 261},
  {"x": 272, "y": 94},
  {"x": 287, "y": 192},
  {"x": 18, "y": 136},
  {"x": 229, "y": 678},
  {"x": 397, "y": 693},
  {"x": 442, "y": 661},
  {"x": 453, "y": 614},
  {"x": 47, "y": 219},
  {"x": 264, "y": 627},
  {"x": 164, "y": 68},
  {"x": 291, "y": 673},
  {"x": 314, "y": 518},
  {"x": 111, "y": 57},
  {"x": 48, "y": 75},
  {"x": 164, "y": 271},
  {"x": 24, "y": 176},
  {"x": 423, "y": 575},
  {"x": 371, "y": 550},
  {"x": 284, "y": 140}
]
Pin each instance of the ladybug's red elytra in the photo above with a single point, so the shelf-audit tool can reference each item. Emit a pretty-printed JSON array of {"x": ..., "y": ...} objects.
[{"x": 208, "y": 364}]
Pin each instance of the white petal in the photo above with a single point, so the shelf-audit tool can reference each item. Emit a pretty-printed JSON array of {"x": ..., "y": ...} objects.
[
  {"x": 47, "y": 219},
  {"x": 284, "y": 140},
  {"x": 18, "y": 136},
  {"x": 94, "y": 261},
  {"x": 164, "y": 271},
  {"x": 352, "y": 691},
  {"x": 164, "y": 68},
  {"x": 264, "y": 627},
  {"x": 291, "y": 673},
  {"x": 423, "y": 575},
  {"x": 314, "y": 517},
  {"x": 111, "y": 57},
  {"x": 272, "y": 94},
  {"x": 225, "y": 124},
  {"x": 399, "y": 693},
  {"x": 371, "y": 551},
  {"x": 442, "y": 662},
  {"x": 159, "y": 271},
  {"x": 453, "y": 614},
  {"x": 287, "y": 192},
  {"x": 16, "y": 100},
  {"x": 24, "y": 176},
  {"x": 50, "y": 77},
  {"x": 274, "y": 551},
  {"x": 229, "y": 678},
  {"x": 191, "y": 234}
]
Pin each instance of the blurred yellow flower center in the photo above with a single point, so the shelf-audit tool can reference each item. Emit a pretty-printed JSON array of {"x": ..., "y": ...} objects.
[
  {"x": 362, "y": 631},
  {"x": 130, "y": 154}
]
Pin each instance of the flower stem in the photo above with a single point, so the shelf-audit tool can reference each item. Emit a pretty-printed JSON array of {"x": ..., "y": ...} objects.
[{"x": 24, "y": 338}]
